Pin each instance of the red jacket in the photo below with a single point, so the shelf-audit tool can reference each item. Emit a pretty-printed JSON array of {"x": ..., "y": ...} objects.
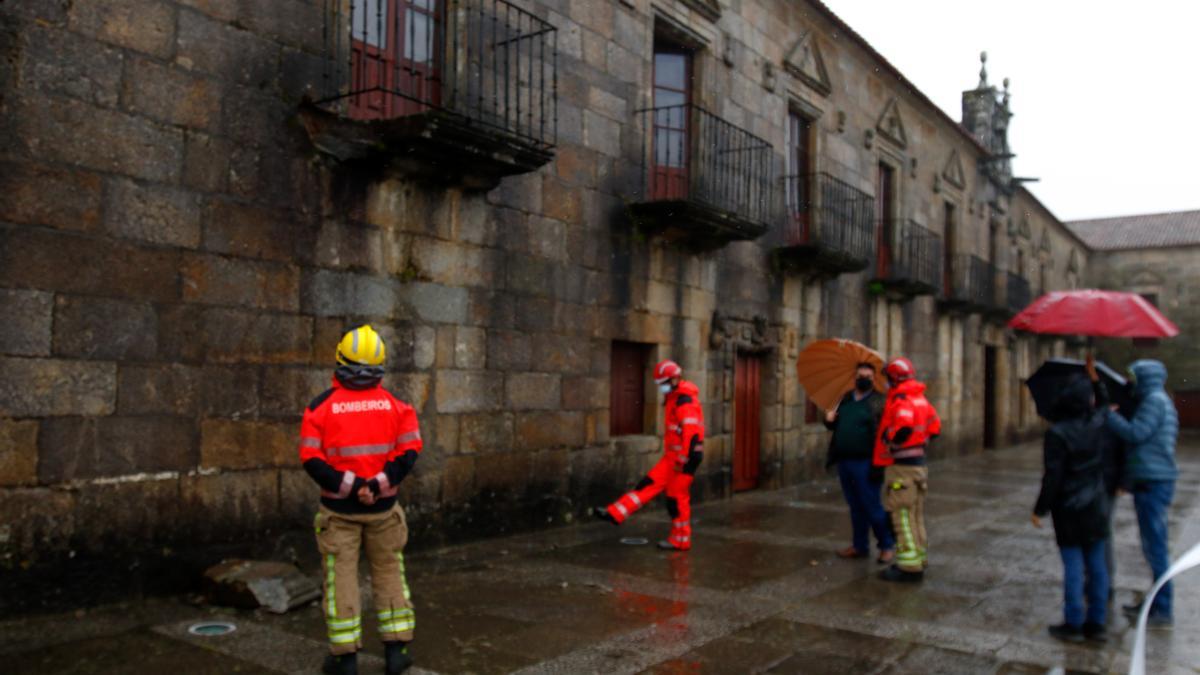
[
  {"x": 684, "y": 420},
  {"x": 355, "y": 437},
  {"x": 909, "y": 421}
]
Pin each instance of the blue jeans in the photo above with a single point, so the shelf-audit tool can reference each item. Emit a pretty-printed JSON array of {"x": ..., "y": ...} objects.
[
  {"x": 1084, "y": 567},
  {"x": 1152, "y": 500},
  {"x": 866, "y": 507}
]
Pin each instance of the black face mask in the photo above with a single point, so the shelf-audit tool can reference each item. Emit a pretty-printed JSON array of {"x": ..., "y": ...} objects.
[{"x": 864, "y": 384}]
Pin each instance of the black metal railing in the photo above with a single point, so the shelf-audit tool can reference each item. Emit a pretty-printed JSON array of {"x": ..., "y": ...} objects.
[
  {"x": 970, "y": 281},
  {"x": 824, "y": 212},
  {"x": 697, "y": 157},
  {"x": 909, "y": 255},
  {"x": 488, "y": 61},
  {"x": 1018, "y": 295}
]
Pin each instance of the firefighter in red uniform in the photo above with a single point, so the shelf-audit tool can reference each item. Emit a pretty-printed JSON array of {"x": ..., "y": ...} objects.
[
  {"x": 683, "y": 450},
  {"x": 358, "y": 441},
  {"x": 909, "y": 423}
]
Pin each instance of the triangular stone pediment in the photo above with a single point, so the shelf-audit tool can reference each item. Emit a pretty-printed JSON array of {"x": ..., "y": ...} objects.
[
  {"x": 1146, "y": 278},
  {"x": 1045, "y": 240},
  {"x": 1025, "y": 229},
  {"x": 953, "y": 173},
  {"x": 805, "y": 62},
  {"x": 890, "y": 126}
]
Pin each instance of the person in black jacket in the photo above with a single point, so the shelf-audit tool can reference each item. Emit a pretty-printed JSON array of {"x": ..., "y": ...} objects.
[
  {"x": 855, "y": 424},
  {"x": 1074, "y": 494},
  {"x": 1114, "y": 468}
]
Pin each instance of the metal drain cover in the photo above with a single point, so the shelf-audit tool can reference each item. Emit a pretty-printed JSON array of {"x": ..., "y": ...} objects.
[
  {"x": 211, "y": 628},
  {"x": 635, "y": 541}
]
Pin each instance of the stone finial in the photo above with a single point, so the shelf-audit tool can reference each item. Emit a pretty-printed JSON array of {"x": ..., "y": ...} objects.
[
  {"x": 1006, "y": 95},
  {"x": 983, "y": 70}
]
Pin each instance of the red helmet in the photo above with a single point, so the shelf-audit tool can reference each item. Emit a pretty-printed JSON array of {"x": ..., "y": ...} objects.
[
  {"x": 900, "y": 369},
  {"x": 666, "y": 370}
]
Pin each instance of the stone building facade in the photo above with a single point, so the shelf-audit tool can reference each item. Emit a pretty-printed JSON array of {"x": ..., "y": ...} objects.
[{"x": 189, "y": 220}]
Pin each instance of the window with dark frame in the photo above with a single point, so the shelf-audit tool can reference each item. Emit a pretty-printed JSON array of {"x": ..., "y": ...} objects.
[
  {"x": 394, "y": 48},
  {"x": 812, "y": 414},
  {"x": 885, "y": 192},
  {"x": 672, "y": 100},
  {"x": 948, "y": 249},
  {"x": 799, "y": 157},
  {"x": 627, "y": 388}
]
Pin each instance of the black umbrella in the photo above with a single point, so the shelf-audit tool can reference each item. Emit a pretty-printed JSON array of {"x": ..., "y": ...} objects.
[{"x": 1051, "y": 378}]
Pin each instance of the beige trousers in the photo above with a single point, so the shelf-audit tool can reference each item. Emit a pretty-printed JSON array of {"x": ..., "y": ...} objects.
[{"x": 904, "y": 489}]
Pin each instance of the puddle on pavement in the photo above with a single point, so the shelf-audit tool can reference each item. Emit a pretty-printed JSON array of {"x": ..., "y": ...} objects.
[{"x": 149, "y": 652}]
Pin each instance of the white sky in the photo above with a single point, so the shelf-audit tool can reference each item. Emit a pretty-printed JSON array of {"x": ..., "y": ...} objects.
[{"x": 1105, "y": 94}]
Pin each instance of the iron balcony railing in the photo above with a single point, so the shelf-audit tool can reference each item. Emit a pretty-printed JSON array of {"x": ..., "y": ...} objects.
[
  {"x": 487, "y": 61},
  {"x": 970, "y": 281},
  {"x": 1019, "y": 294},
  {"x": 909, "y": 256},
  {"x": 697, "y": 157},
  {"x": 826, "y": 213}
]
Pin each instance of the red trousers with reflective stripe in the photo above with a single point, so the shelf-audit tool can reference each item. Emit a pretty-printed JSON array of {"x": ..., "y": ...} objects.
[{"x": 666, "y": 476}]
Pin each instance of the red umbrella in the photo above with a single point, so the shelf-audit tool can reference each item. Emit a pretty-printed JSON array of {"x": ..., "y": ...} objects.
[{"x": 1091, "y": 313}]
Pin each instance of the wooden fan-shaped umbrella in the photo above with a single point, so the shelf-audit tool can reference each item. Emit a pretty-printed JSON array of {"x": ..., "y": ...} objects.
[{"x": 826, "y": 369}]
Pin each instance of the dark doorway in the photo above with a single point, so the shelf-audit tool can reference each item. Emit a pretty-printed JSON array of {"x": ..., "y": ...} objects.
[
  {"x": 884, "y": 195},
  {"x": 627, "y": 388},
  {"x": 989, "y": 397},
  {"x": 746, "y": 428}
]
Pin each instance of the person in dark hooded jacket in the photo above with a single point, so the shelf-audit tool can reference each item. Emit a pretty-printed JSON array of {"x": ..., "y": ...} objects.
[{"x": 1073, "y": 493}]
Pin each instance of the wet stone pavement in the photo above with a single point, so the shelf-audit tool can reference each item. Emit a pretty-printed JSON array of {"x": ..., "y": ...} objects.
[{"x": 760, "y": 592}]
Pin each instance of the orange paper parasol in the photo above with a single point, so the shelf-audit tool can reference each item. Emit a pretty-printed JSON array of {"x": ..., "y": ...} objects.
[{"x": 826, "y": 369}]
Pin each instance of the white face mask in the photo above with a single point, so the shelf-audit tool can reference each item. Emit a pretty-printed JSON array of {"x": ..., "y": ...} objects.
[{"x": 665, "y": 387}]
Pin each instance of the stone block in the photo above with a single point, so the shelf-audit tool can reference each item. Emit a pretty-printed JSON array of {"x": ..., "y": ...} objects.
[
  {"x": 513, "y": 473},
  {"x": 171, "y": 95},
  {"x": 71, "y": 132},
  {"x": 533, "y": 391},
  {"x": 424, "y": 347},
  {"x": 608, "y": 104},
  {"x": 545, "y": 238},
  {"x": 177, "y": 389},
  {"x": 597, "y": 16},
  {"x": 25, "y": 330},
  {"x": 100, "y": 328},
  {"x": 68, "y": 64},
  {"x": 18, "y": 452},
  {"x": 561, "y": 353},
  {"x": 585, "y": 392},
  {"x": 575, "y": 165},
  {"x": 298, "y": 498},
  {"x": 470, "y": 348},
  {"x": 35, "y": 521},
  {"x": 244, "y": 336},
  {"x": 538, "y": 430},
  {"x": 247, "y": 444},
  {"x": 113, "y": 516},
  {"x": 32, "y": 194},
  {"x": 562, "y": 202},
  {"x": 153, "y": 213},
  {"x": 79, "y": 448},
  {"x": 434, "y": 303},
  {"x": 533, "y": 276},
  {"x": 215, "y": 280},
  {"x": 458, "y": 479},
  {"x": 508, "y": 350},
  {"x": 46, "y": 387},
  {"x": 249, "y": 232},
  {"x": 445, "y": 435},
  {"x": 235, "y": 504},
  {"x": 288, "y": 391},
  {"x": 224, "y": 51},
  {"x": 486, "y": 433},
  {"x": 523, "y": 193},
  {"x": 180, "y": 333},
  {"x": 140, "y": 25},
  {"x": 412, "y": 388},
  {"x": 206, "y": 162},
  {"x": 66, "y": 262},
  {"x": 459, "y": 391},
  {"x": 344, "y": 245},
  {"x": 224, "y": 10},
  {"x": 299, "y": 25},
  {"x": 445, "y": 346}
]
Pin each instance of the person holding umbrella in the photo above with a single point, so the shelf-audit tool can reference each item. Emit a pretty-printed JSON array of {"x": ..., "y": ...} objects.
[{"x": 855, "y": 423}]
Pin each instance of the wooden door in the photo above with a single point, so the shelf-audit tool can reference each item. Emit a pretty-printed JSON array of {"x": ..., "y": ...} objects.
[
  {"x": 746, "y": 428},
  {"x": 949, "y": 246},
  {"x": 1188, "y": 405},
  {"x": 884, "y": 196},
  {"x": 671, "y": 123},
  {"x": 627, "y": 389},
  {"x": 394, "y": 58},
  {"x": 800, "y": 166}
]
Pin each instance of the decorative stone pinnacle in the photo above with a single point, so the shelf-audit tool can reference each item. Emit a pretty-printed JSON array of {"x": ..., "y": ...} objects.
[{"x": 983, "y": 70}]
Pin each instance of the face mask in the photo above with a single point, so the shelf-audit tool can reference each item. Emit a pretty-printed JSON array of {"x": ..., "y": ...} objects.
[
  {"x": 864, "y": 384},
  {"x": 665, "y": 388}
]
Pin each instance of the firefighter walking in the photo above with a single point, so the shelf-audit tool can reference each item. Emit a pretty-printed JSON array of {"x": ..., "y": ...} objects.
[
  {"x": 909, "y": 423},
  {"x": 683, "y": 450},
  {"x": 358, "y": 442}
]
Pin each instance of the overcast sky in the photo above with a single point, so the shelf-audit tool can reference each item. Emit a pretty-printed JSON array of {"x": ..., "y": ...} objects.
[{"x": 1105, "y": 95}]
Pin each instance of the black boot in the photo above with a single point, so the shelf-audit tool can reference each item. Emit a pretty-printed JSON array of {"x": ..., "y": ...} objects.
[
  {"x": 397, "y": 657},
  {"x": 1096, "y": 632},
  {"x": 1066, "y": 632},
  {"x": 602, "y": 513},
  {"x": 342, "y": 664},
  {"x": 894, "y": 573}
]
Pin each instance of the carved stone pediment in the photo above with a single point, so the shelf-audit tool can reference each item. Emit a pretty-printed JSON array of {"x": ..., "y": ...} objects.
[
  {"x": 805, "y": 62},
  {"x": 709, "y": 9},
  {"x": 953, "y": 171},
  {"x": 749, "y": 335},
  {"x": 891, "y": 126}
]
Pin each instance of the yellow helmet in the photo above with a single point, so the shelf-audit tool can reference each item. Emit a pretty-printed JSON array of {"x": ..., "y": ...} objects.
[{"x": 361, "y": 347}]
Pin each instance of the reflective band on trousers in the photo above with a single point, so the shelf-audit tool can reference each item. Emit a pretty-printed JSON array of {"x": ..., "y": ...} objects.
[
  {"x": 397, "y": 621},
  {"x": 410, "y": 436},
  {"x": 359, "y": 450},
  {"x": 330, "y": 596},
  {"x": 403, "y": 580},
  {"x": 908, "y": 553},
  {"x": 634, "y": 498},
  {"x": 621, "y": 507}
]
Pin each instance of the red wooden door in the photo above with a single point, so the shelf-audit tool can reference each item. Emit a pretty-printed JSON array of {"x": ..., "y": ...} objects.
[
  {"x": 746, "y": 428},
  {"x": 800, "y": 160},
  {"x": 394, "y": 57},
  {"x": 1188, "y": 405},
  {"x": 884, "y": 194},
  {"x": 671, "y": 124},
  {"x": 627, "y": 389}
]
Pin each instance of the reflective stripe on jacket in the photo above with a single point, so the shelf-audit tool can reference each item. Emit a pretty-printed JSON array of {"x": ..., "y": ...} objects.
[
  {"x": 908, "y": 408},
  {"x": 684, "y": 419}
]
